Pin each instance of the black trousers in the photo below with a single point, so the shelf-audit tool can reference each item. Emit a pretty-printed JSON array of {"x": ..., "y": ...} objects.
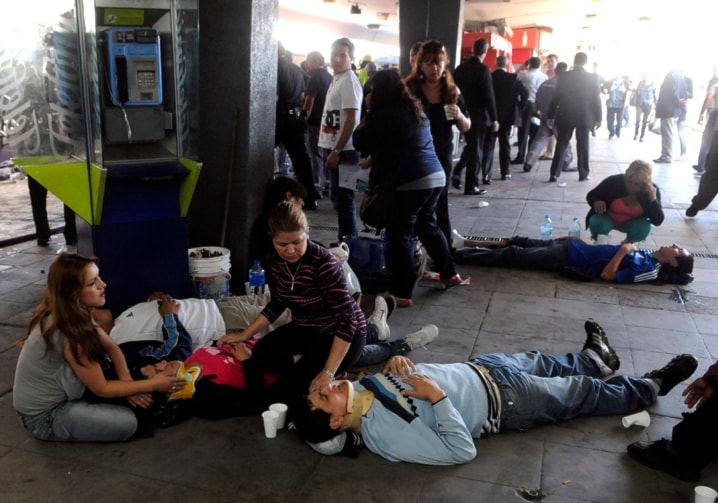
[
  {"x": 563, "y": 138},
  {"x": 475, "y": 145},
  {"x": 275, "y": 353},
  {"x": 290, "y": 131},
  {"x": 38, "y": 202},
  {"x": 695, "y": 439},
  {"x": 502, "y": 135}
]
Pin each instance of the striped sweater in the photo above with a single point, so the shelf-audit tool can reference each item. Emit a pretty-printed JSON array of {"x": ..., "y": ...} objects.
[{"x": 320, "y": 299}]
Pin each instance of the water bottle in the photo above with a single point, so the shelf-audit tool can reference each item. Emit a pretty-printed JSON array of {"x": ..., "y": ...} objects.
[
  {"x": 256, "y": 278},
  {"x": 574, "y": 230},
  {"x": 546, "y": 228}
]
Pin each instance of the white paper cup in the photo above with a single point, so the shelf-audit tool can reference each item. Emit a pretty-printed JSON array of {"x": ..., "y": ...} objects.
[
  {"x": 449, "y": 117},
  {"x": 704, "y": 494},
  {"x": 281, "y": 410},
  {"x": 270, "y": 423},
  {"x": 640, "y": 419}
]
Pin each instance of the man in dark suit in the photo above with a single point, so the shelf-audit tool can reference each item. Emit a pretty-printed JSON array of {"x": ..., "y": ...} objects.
[
  {"x": 474, "y": 79},
  {"x": 576, "y": 104},
  {"x": 510, "y": 94}
]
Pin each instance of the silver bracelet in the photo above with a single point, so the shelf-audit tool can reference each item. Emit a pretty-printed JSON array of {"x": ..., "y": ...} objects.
[{"x": 329, "y": 373}]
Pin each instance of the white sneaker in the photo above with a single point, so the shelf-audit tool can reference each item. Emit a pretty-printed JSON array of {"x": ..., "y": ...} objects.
[
  {"x": 422, "y": 337},
  {"x": 378, "y": 318},
  {"x": 67, "y": 249},
  {"x": 457, "y": 240}
]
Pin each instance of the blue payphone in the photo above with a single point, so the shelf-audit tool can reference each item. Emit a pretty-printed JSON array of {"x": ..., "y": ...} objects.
[{"x": 134, "y": 65}]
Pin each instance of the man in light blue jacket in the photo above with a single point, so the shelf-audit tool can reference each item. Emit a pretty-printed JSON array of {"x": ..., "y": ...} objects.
[{"x": 430, "y": 413}]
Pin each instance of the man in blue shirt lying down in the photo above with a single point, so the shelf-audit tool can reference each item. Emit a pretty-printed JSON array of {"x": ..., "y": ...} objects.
[
  {"x": 430, "y": 413},
  {"x": 573, "y": 258}
]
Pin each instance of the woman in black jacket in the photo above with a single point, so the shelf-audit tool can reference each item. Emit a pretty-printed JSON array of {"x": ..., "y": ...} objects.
[{"x": 629, "y": 203}]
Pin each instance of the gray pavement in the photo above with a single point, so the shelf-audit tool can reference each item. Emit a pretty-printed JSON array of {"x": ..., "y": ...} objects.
[{"x": 581, "y": 460}]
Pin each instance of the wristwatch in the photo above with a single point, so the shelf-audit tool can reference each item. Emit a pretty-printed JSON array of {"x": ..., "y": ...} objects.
[{"x": 336, "y": 151}]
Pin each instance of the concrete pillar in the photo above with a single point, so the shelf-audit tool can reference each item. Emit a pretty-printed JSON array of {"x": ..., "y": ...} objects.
[
  {"x": 442, "y": 20},
  {"x": 238, "y": 77}
]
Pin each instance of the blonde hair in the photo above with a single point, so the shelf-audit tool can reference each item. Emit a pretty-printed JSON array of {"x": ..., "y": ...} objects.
[{"x": 640, "y": 170}]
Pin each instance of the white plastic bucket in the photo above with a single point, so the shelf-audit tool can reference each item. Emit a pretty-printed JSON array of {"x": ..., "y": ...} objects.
[{"x": 208, "y": 261}]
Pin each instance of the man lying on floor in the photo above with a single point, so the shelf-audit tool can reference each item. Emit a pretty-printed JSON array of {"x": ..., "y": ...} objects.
[
  {"x": 430, "y": 413},
  {"x": 573, "y": 258}
]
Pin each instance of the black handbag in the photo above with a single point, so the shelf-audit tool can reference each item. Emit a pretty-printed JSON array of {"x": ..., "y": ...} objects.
[{"x": 376, "y": 205}]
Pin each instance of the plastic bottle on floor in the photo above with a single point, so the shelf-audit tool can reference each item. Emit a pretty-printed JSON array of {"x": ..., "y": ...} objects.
[
  {"x": 546, "y": 228},
  {"x": 257, "y": 279},
  {"x": 574, "y": 230}
]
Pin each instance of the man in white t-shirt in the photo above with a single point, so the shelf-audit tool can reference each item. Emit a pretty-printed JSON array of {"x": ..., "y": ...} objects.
[{"x": 339, "y": 119}]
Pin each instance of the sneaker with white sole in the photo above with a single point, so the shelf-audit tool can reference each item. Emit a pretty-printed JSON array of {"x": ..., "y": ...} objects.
[
  {"x": 378, "y": 318},
  {"x": 422, "y": 337},
  {"x": 457, "y": 240}
]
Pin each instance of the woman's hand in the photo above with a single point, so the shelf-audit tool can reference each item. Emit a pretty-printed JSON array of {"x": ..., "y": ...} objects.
[
  {"x": 649, "y": 189},
  {"x": 168, "y": 384},
  {"x": 698, "y": 392},
  {"x": 399, "y": 366},
  {"x": 321, "y": 380},
  {"x": 599, "y": 206},
  {"x": 230, "y": 339},
  {"x": 142, "y": 401},
  {"x": 425, "y": 388}
]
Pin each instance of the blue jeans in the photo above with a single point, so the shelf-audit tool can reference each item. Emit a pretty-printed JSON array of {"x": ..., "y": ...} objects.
[
  {"x": 318, "y": 157},
  {"x": 614, "y": 120},
  {"x": 343, "y": 199},
  {"x": 537, "y": 388},
  {"x": 81, "y": 421},
  {"x": 376, "y": 351}
]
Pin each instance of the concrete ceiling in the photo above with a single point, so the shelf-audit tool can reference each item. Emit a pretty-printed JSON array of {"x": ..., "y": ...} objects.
[{"x": 631, "y": 28}]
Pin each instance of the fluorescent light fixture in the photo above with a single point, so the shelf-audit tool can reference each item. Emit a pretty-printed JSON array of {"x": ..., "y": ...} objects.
[{"x": 373, "y": 26}]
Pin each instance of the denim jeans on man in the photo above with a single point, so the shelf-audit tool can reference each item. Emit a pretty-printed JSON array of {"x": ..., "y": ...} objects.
[
  {"x": 343, "y": 198},
  {"x": 536, "y": 388}
]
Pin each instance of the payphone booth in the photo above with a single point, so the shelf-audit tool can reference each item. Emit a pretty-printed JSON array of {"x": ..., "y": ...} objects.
[{"x": 106, "y": 119}]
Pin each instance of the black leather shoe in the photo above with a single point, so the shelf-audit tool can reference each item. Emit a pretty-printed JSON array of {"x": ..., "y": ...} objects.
[
  {"x": 679, "y": 369},
  {"x": 475, "y": 191},
  {"x": 552, "y": 179},
  {"x": 486, "y": 181},
  {"x": 691, "y": 211},
  {"x": 657, "y": 455},
  {"x": 527, "y": 168},
  {"x": 517, "y": 161},
  {"x": 597, "y": 342},
  {"x": 584, "y": 179},
  {"x": 456, "y": 182},
  {"x": 506, "y": 177},
  {"x": 311, "y": 205}
]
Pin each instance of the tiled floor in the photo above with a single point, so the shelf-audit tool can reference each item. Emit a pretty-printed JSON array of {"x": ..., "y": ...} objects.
[{"x": 502, "y": 310}]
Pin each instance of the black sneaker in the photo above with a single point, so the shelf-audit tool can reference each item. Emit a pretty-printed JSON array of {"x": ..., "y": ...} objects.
[
  {"x": 597, "y": 342},
  {"x": 679, "y": 369},
  {"x": 656, "y": 455}
]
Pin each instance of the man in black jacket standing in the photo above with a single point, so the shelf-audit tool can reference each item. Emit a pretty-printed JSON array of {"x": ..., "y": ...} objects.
[
  {"x": 510, "y": 94},
  {"x": 474, "y": 79},
  {"x": 576, "y": 105}
]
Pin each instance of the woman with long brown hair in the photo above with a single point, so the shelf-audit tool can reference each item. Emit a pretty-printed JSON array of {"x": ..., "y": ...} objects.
[
  {"x": 431, "y": 82},
  {"x": 63, "y": 356}
]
